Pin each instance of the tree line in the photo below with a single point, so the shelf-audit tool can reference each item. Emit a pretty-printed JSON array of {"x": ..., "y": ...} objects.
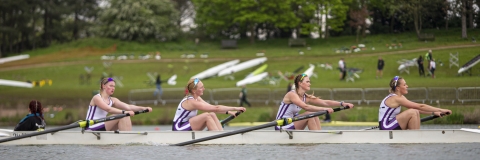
[{"x": 30, "y": 24}]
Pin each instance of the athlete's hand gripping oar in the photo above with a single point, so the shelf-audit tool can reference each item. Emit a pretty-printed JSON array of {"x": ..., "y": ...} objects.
[
  {"x": 279, "y": 122},
  {"x": 73, "y": 125},
  {"x": 424, "y": 119},
  {"x": 229, "y": 118}
]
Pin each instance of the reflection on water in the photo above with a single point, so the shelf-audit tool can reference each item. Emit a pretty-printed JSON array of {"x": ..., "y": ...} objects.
[
  {"x": 317, "y": 151},
  {"x": 247, "y": 152}
]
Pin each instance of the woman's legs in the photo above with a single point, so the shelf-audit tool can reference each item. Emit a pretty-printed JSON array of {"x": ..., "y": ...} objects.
[
  {"x": 312, "y": 123},
  {"x": 409, "y": 119},
  {"x": 203, "y": 120},
  {"x": 123, "y": 124}
]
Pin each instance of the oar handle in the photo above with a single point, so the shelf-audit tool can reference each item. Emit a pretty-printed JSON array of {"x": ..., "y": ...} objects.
[
  {"x": 433, "y": 117},
  {"x": 229, "y": 118},
  {"x": 341, "y": 108},
  {"x": 138, "y": 112}
]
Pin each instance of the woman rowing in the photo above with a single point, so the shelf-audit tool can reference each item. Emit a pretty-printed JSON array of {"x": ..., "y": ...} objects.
[
  {"x": 296, "y": 100},
  {"x": 389, "y": 115},
  {"x": 33, "y": 121},
  {"x": 103, "y": 103},
  {"x": 186, "y": 118}
]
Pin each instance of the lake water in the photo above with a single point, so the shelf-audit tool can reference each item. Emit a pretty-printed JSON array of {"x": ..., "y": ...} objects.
[{"x": 246, "y": 152}]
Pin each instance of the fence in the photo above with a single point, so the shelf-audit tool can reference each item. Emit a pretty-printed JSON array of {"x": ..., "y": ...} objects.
[
  {"x": 352, "y": 95},
  {"x": 468, "y": 94}
]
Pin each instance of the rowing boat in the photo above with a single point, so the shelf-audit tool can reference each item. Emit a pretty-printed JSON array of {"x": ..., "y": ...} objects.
[
  {"x": 254, "y": 137},
  {"x": 332, "y": 123}
]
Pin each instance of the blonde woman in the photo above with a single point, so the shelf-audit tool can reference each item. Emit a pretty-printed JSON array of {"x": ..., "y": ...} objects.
[
  {"x": 186, "y": 117},
  {"x": 103, "y": 103},
  {"x": 296, "y": 100}
]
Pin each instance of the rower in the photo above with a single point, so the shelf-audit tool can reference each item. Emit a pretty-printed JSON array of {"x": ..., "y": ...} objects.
[
  {"x": 296, "y": 100},
  {"x": 389, "y": 115},
  {"x": 33, "y": 121},
  {"x": 186, "y": 118}
]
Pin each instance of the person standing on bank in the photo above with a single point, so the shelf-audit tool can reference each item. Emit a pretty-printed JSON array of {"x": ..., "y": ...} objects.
[
  {"x": 296, "y": 100},
  {"x": 186, "y": 118},
  {"x": 380, "y": 65},
  {"x": 158, "y": 83},
  {"x": 343, "y": 68},
  {"x": 33, "y": 121},
  {"x": 389, "y": 115},
  {"x": 428, "y": 58},
  {"x": 243, "y": 97},
  {"x": 103, "y": 103},
  {"x": 432, "y": 67},
  {"x": 421, "y": 71}
]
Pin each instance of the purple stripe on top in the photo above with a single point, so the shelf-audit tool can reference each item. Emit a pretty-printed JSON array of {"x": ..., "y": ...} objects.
[
  {"x": 186, "y": 115},
  {"x": 384, "y": 115},
  {"x": 89, "y": 112},
  {"x": 280, "y": 110},
  {"x": 285, "y": 108},
  {"x": 93, "y": 113}
]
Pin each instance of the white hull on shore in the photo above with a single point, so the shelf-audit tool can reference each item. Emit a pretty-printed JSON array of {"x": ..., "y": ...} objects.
[
  {"x": 214, "y": 70},
  {"x": 254, "y": 137}
]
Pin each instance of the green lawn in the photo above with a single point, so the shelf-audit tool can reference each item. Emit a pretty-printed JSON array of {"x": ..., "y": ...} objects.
[{"x": 67, "y": 91}]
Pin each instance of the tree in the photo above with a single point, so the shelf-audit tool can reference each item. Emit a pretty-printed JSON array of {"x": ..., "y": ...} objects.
[
  {"x": 310, "y": 12},
  {"x": 460, "y": 6},
  {"x": 244, "y": 15},
  {"x": 139, "y": 20}
]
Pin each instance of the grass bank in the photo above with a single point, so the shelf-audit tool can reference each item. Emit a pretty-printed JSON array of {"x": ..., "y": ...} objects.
[{"x": 64, "y": 64}]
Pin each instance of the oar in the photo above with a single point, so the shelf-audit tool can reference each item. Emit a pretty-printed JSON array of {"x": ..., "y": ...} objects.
[
  {"x": 73, "y": 125},
  {"x": 421, "y": 120},
  {"x": 229, "y": 118},
  {"x": 279, "y": 122}
]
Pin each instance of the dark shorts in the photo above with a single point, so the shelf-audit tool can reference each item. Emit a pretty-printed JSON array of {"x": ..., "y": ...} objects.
[
  {"x": 432, "y": 70},
  {"x": 380, "y": 68}
]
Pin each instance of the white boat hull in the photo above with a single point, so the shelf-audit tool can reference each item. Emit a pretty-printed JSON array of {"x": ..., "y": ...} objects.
[
  {"x": 242, "y": 66},
  {"x": 5, "y": 82},
  {"x": 253, "y": 79},
  {"x": 256, "y": 137},
  {"x": 309, "y": 71},
  {"x": 214, "y": 70}
]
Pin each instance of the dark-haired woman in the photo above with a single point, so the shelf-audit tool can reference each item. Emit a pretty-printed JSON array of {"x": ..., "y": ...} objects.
[
  {"x": 296, "y": 100},
  {"x": 389, "y": 115},
  {"x": 103, "y": 103},
  {"x": 186, "y": 118},
  {"x": 33, "y": 121}
]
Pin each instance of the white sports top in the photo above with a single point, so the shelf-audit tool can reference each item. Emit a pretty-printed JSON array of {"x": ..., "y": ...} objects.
[
  {"x": 289, "y": 110},
  {"x": 182, "y": 114},
  {"x": 95, "y": 112},
  {"x": 387, "y": 113}
]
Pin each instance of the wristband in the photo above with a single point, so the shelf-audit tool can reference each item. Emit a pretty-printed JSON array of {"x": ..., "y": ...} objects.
[
  {"x": 226, "y": 112},
  {"x": 123, "y": 112},
  {"x": 341, "y": 103}
]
